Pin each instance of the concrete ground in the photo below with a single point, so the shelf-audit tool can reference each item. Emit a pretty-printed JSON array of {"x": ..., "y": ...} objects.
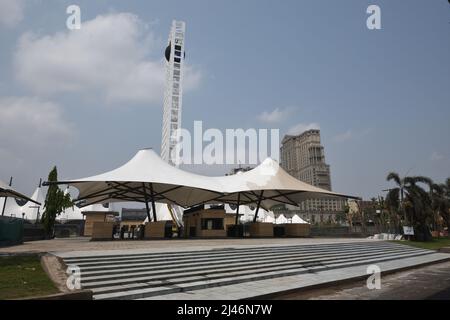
[
  {"x": 83, "y": 244},
  {"x": 430, "y": 282}
]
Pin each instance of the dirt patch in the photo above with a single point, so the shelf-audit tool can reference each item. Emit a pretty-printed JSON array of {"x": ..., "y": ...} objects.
[{"x": 56, "y": 270}]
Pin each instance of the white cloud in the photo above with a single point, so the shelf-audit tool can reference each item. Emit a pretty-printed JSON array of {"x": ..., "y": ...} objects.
[
  {"x": 29, "y": 124},
  {"x": 109, "y": 57},
  {"x": 342, "y": 137},
  {"x": 275, "y": 116},
  {"x": 436, "y": 156},
  {"x": 11, "y": 12},
  {"x": 302, "y": 127}
]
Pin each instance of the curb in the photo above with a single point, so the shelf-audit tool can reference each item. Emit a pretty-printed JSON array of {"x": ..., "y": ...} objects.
[{"x": 76, "y": 295}]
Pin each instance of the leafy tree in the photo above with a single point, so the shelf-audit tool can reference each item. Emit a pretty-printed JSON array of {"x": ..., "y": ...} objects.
[
  {"x": 55, "y": 202},
  {"x": 393, "y": 206},
  {"x": 415, "y": 203},
  {"x": 418, "y": 205},
  {"x": 341, "y": 217},
  {"x": 440, "y": 199},
  {"x": 397, "y": 192},
  {"x": 445, "y": 209}
]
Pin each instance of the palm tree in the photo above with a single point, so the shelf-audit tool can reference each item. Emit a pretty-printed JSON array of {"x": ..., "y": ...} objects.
[
  {"x": 415, "y": 203},
  {"x": 440, "y": 197},
  {"x": 446, "y": 213},
  {"x": 398, "y": 192},
  {"x": 393, "y": 206},
  {"x": 419, "y": 205}
]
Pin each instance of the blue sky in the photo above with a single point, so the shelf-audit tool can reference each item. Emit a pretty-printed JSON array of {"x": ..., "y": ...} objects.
[{"x": 87, "y": 102}]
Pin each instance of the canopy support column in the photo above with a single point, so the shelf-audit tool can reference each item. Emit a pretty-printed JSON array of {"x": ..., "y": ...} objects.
[
  {"x": 259, "y": 204},
  {"x": 6, "y": 198},
  {"x": 236, "y": 221},
  {"x": 146, "y": 203},
  {"x": 152, "y": 194}
]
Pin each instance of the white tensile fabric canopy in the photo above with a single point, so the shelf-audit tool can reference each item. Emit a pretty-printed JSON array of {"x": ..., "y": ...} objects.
[
  {"x": 30, "y": 209},
  {"x": 146, "y": 177},
  {"x": 8, "y": 191},
  {"x": 11, "y": 208}
]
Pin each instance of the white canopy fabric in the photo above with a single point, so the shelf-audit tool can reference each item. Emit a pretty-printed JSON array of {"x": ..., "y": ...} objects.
[
  {"x": 11, "y": 207},
  {"x": 147, "y": 177},
  {"x": 270, "y": 183},
  {"x": 163, "y": 213},
  {"x": 8, "y": 191},
  {"x": 31, "y": 208},
  {"x": 146, "y": 174},
  {"x": 292, "y": 219}
]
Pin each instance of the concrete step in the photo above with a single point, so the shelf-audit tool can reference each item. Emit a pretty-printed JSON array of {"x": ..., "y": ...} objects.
[
  {"x": 183, "y": 278},
  {"x": 150, "y": 269},
  {"x": 209, "y": 261},
  {"x": 180, "y": 277},
  {"x": 221, "y": 251},
  {"x": 150, "y": 274},
  {"x": 167, "y": 288},
  {"x": 210, "y": 255},
  {"x": 263, "y": 289}
]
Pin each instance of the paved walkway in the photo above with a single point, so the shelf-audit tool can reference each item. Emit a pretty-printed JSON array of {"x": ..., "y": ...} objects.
[{"x": 429, "y": 282}]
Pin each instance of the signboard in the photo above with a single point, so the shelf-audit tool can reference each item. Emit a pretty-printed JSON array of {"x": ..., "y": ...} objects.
[{"x": 408, "y": 231}]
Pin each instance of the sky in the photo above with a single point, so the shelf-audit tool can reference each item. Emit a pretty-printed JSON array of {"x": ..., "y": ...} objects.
[{"x": 86, "y": 100}]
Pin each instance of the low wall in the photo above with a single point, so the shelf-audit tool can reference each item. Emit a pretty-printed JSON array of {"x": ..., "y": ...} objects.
[
  {"x": 221, "y": 233},
  {"x": 261, "y": 229},
  {"x": 33, "y": 232},
  {"x": 155, "y": 230},
  {"x": 73, "y": 228},
  {"x": 102, "y": 230},
  {"x": 338, "y": 231},
  {"x": 297, "y": 229}
]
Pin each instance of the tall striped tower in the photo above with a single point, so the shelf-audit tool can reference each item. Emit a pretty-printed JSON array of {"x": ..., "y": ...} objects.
[{"x": 174, "y": 90}]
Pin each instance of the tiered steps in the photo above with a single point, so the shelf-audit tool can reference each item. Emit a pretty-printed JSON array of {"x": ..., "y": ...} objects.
[{"x": 135, "y": 276}]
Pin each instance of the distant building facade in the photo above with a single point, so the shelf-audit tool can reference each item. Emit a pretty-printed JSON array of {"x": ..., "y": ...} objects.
[{"x": 303, "y": 157}]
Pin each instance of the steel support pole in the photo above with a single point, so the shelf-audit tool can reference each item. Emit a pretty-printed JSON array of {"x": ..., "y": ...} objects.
[
  {"x": 259, "y": 204},
  {"x": 146, "y": 203},
  {"x": 237, "y": 209},
  {"x": 6, "y": 198},
  {"x": 153, "y": 202}
]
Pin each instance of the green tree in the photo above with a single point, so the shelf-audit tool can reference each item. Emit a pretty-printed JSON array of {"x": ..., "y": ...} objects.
[
  {"x": 55, "y": 202},
  {"x": 445, "y": 211},
  {"x": 341, "y": 216},
  {"x": 397, "y": 192},
  {"x": 440, "y": 199},
  {"x": 392, "y": 204},
  {"x": 415, "y": 203},
  {"x": 419, "y": 207}
]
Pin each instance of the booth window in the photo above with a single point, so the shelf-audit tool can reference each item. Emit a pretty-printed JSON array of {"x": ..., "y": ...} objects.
[{"x": 212, "y": 224}]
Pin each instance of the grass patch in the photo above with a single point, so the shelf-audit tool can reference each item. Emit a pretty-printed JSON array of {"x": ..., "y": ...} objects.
[
  {"x": 23, "y": 276},
  {"x": 432, "y": 245}
]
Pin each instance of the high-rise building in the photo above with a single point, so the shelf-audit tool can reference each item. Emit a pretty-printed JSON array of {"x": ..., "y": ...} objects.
[
  {"x": 174, "y": 91},
  {"x": 303, "y": 157},
  {"x": 173, "y": 97}
]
